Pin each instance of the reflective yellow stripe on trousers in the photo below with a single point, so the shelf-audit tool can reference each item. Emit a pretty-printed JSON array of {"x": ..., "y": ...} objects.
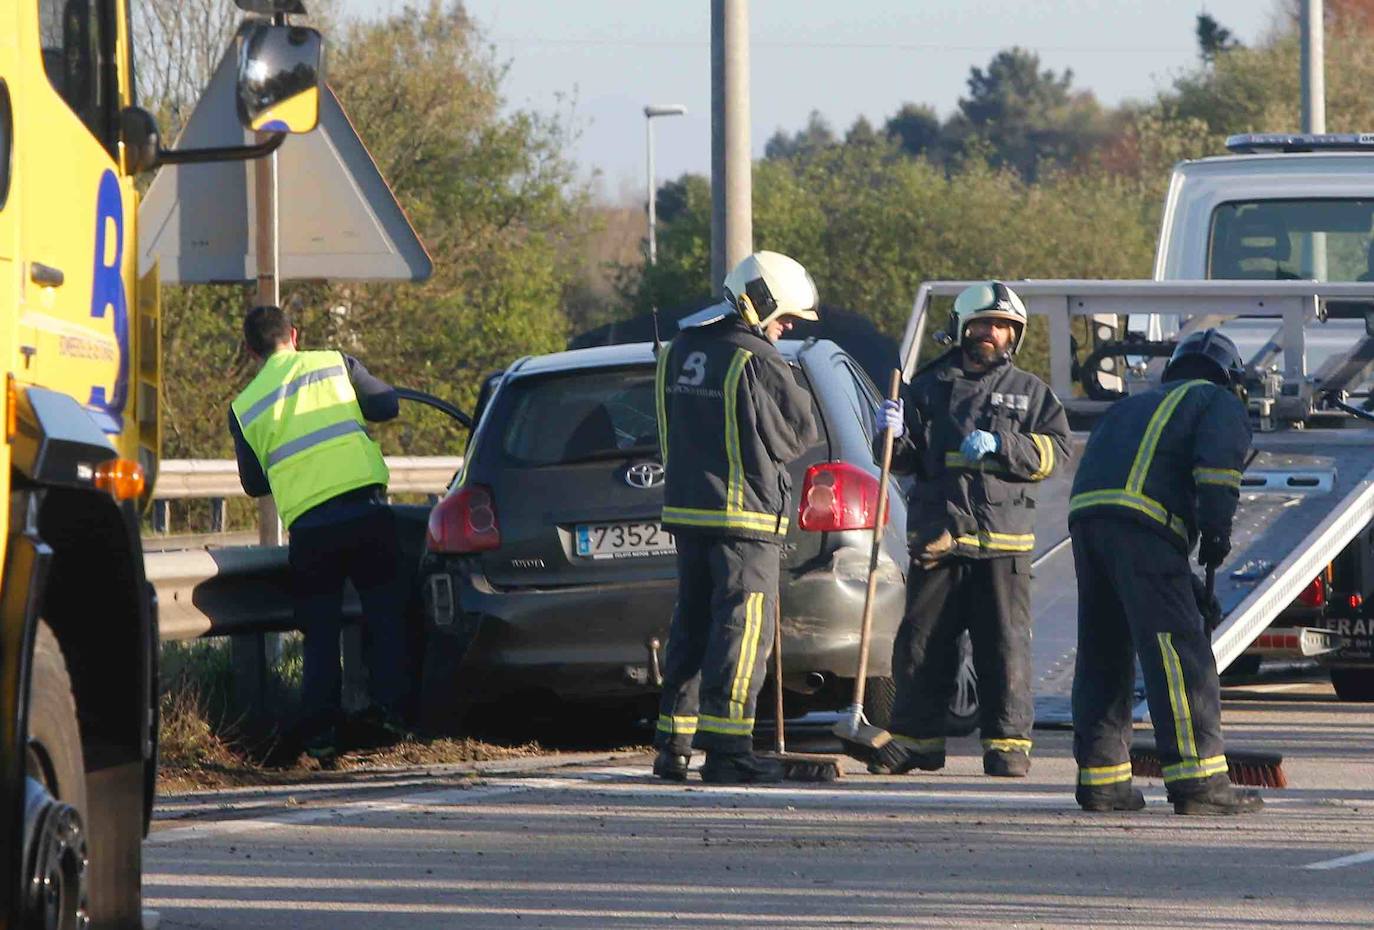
[
  {"x": 748, "y": 653},
  {"x": 1189, "y": 765},
  {"x": 1104, "y": 774},
  {"x": 683, "y": 725}
]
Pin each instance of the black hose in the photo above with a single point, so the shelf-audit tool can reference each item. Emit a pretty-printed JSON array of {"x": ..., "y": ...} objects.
[
  {"x": 1349, "y": 408},
  {"x": 429, "y": 400}
]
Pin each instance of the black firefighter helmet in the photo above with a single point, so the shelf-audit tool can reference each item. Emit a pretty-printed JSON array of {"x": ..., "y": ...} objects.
[{"x": 1208, "y": 354}]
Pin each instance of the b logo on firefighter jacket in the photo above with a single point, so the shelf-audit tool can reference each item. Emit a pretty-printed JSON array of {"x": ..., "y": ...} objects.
[
  {"x": 730, "y": 417},
  {"x": 301, "y": 418}
]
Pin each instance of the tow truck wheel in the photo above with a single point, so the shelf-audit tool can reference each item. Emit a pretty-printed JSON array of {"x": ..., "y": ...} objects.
[
  {"x": 1353, "y": 684},
  {"x": 55, "y": 855}
]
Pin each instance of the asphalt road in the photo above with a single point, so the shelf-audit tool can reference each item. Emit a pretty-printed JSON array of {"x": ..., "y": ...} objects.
[{"x": 590, "y": 841}]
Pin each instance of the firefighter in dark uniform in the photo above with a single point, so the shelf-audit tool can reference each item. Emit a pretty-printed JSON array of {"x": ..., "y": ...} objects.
[
  {"x": 1161, "y": 473},
  {"x": 978, "y": 434},
  {"x": 731, "y": 415}
]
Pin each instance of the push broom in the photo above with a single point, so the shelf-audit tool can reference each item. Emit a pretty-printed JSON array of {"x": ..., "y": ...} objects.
[
  {"x": 796, "y": 766},
  {"x": 1258, "y": 769},
  {"x": 861, "y": 739}
]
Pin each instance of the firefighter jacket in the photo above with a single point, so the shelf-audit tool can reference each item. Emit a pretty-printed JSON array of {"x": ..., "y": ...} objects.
[
  {"x": 1170, "y": 459},
  {"x": 987, "y": 506},
  {"x": 731, "y": 415}
]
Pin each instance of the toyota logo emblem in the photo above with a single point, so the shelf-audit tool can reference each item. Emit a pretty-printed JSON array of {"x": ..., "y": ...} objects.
[{"x": 644, "y": 475}]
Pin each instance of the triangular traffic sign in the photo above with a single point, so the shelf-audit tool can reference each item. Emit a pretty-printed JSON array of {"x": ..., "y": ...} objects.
[{"x": 338, "y": 219}]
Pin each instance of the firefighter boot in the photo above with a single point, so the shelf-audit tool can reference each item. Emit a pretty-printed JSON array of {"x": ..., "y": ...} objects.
[
  {"x": 671, "y": 766},
  {"x": 1212, "y": 796},
  {"x": 1102, "y": 798},
  {"x": 894, "y": 759},
  {"x": 742, "y": 768},
  {"x": 1006, "y": 763}
]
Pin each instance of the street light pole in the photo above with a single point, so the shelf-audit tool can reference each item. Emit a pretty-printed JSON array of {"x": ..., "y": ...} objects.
[{"x": 669, "y": 109}]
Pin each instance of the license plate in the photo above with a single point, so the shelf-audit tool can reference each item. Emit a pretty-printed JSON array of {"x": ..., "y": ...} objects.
[{"x": 623, "y": 540}]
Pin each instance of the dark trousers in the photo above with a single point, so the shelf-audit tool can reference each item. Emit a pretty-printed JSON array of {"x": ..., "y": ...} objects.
[
  {"x": 1135, "y": 598},
  {"x": 718, "y": 647},
  {"x": 990, "y": 598},
  {"x": 365, "y": 551}
]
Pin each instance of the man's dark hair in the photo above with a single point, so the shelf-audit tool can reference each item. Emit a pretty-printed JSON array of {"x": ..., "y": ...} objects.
[{"x": 265, "y": 328}]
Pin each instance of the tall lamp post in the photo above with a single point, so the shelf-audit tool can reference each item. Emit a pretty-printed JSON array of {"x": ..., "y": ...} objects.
[{"x": 665, "y": 109}]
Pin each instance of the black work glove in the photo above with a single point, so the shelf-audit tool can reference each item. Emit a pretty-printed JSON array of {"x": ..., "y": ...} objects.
[
  {"x": 1207, "y": 604},
  {"x": 1211, "y": 550}
]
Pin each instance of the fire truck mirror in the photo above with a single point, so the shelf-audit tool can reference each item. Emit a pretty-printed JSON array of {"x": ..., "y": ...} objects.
[{"x": 280, "y": 69}]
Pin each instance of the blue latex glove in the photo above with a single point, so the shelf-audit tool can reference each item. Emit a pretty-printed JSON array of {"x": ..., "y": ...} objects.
[
  {"x": 891, "y": 415},
  {"x": 978, "y": 444}
]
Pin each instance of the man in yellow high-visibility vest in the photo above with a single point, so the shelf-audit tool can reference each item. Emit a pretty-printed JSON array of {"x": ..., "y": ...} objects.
[{"x": 299, "y": 435}]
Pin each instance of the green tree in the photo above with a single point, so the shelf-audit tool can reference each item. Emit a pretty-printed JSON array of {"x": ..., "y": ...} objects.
[
  {"x": 1025, "y": 117},
  {"x": 1213, "y": 38},
  {"x": 915, "y": 127},
  {"x": 816, "y": 135}
]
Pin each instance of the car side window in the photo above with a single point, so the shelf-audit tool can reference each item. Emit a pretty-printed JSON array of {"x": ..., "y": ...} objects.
[
  {"x": 861, "y": 393},
  {"x": 76, "y": 53}
]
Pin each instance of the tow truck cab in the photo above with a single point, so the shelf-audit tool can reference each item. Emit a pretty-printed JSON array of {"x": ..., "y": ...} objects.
[{"x": 1291, "y": 207}]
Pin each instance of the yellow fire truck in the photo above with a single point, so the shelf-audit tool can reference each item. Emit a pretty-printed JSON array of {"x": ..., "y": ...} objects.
[{"x": 79, "y": 344}]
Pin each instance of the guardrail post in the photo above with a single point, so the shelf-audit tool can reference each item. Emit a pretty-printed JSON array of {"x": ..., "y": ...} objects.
[
  {"x": 248, "y": 656},
  {"x": 254, "y": 654},
  {"x": 219, "y": 514},
  {"x": 160, "y": 516}
]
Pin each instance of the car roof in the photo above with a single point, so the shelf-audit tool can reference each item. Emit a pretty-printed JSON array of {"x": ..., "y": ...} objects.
[{"x": 633, "y": 353}]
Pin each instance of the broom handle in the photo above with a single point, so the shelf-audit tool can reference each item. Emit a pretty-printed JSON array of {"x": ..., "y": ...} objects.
[
  {"x": 866, "y": 624},
  {"x": 779, "y": 740}
]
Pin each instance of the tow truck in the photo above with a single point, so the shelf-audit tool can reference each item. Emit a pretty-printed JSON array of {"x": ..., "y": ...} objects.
[
  {"x": 1274, "y": 243},
  {"x": 80, "y": 343}
]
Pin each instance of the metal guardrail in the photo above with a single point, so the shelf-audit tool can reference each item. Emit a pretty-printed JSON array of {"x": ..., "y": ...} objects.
[
  {"x": 189, "y": 479},
  {"x": 221, "y": 591}
]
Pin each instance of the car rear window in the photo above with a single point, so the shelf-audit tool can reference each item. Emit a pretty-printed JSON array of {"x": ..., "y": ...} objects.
[{"x": 580, "y": 416}]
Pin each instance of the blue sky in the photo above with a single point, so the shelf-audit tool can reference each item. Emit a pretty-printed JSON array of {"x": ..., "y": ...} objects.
[{"x": 840, "y": 58}]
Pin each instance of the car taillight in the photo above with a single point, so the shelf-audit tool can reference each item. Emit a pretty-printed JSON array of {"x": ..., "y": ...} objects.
[
  {"x": 838, "y": 496},
  {"x": 1314, "y": 595},
  {"x": 465, "y": 521}
]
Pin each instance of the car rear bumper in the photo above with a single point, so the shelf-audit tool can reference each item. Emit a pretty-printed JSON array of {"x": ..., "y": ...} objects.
[{"x": 591, "y": 642}]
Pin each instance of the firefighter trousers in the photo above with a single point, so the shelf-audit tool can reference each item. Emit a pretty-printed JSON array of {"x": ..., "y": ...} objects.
[
  {"x": 1135, "y": 599},
  {"x": 990, "y": 598},
  {"x": 719, "y": 644}
]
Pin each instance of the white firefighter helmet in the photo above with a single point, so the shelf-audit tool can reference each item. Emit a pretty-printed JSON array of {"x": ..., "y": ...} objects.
[
  {"x": 767, "y": 285},
  {"x": 989, "y": 300}
]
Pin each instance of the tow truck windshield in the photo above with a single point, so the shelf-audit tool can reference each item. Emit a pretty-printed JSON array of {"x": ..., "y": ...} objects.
[{"x": 1281, "y": 240}]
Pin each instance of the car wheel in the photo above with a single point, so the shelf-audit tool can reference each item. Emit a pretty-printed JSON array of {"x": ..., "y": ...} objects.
[
  {"x": 962, "y": 717},
  {"x": 55, "y": 851},
  {"x": 879, "y": 693},
  {"x": 1353, "y": 684}
]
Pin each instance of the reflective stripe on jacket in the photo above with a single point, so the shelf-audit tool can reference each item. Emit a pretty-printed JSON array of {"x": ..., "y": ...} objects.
[
  {"x": 1169, "y": 458},
  {"x": 988, "y": 505},
  {"x": 301, "y": 418},
  {"x": 731, "y": 415}
]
